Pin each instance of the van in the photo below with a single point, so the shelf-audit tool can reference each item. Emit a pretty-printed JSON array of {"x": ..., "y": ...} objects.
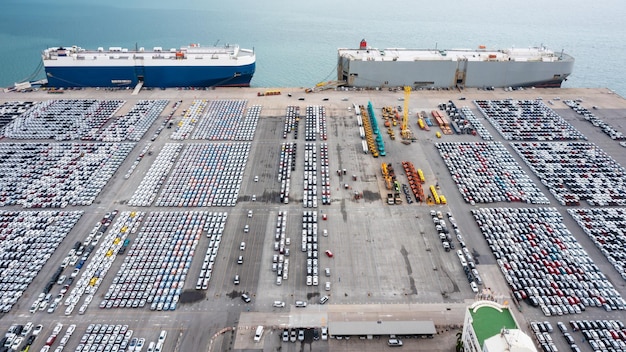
[
  {"x": 258, "y": 334},
  {"x": 327, "y": 272}
]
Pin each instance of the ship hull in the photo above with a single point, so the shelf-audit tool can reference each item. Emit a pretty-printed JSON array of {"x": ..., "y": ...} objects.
[
  {"x": 158, "y": 77},
  {"x": 430, "y": 69},
  {"x": 190, "y": 66}
]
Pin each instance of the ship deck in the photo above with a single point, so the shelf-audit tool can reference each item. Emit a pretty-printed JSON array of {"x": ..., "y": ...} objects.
[{"x": 402, "y": 54}]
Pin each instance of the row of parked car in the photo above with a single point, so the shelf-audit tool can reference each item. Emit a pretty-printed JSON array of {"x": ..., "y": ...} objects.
[
  {"x": 602, "y": 335},
  {"x": 576, "y": 171},
  {"x": 19, "y": 334},
  {"x": 543, "y": 263},
  {"x": 310, "y": 245},
  {"x": 325, "y": 174},
  {"x": 309, "y": 196},
  {"x": 465, "y": 257},
  {"x": 148, "y": 189},
  {"x": 10, "y": 110},
  {"x": 315, "y": 123},
  {"x": 132, "y": 125},
  {"x": 224, "y": 120},
  {"x": 464, "y": 121},
  {"x": 485, "y": 172},
  {"x": 292, "y": 117},
  {"x": 476, "y": 124},
  {"x": 214, "y": 229},
  {"x": 76, "y": 259},
  {"x": 604, "y": 226},
  {"x": 89, "y": 275},
  {"x": 190, "y": 118},
  {"x": 293, "y": 335},
  {"x": 527, "y": 120},
  {"x": 28, "y": 240},
  {"x": 287, "y": 164},
  {"x": 157, "y": 264},
  {"x": 205, "y": 175},
  {"x": 65, "y": 119},
  {"x": 595, "y": 120},
  {"x": 56, "y": 175},
  {"x": 280, "y": 260}
]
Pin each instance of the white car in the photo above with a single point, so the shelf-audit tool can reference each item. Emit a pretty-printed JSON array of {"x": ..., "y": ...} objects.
[
  {"x": 16, "y": 343},
  {"x": 162, "y": 336},
  {"x": 37, "y": 329},
  {"x": 140, "y": 343},
  {"x": 394, "y": 343},
  {"x": 278, "y": 304},
  {"x": 27, "y": 328}
]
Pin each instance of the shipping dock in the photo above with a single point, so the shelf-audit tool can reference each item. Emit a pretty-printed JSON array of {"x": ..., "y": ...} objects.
[{"x": 191, "y": 217}]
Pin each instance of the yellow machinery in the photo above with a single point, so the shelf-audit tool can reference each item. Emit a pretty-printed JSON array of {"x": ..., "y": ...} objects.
[
  {"x": 436, "y": 198},
  {"x": 405, "y": 131},
  {"x": 387, "y": 175}
]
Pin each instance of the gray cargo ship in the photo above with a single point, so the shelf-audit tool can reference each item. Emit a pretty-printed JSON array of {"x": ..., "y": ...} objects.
[{"x": 433, "y": 68}]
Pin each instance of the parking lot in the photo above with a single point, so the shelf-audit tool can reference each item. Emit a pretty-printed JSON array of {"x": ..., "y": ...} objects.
[{"x": 204, "y": 188}]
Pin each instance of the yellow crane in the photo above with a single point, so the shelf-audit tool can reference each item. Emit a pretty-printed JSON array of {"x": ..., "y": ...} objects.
[{"x": 405, "y": 131}]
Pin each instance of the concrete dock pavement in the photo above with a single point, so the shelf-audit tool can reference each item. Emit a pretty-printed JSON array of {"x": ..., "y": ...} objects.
[{"x": 388, "y": 262}]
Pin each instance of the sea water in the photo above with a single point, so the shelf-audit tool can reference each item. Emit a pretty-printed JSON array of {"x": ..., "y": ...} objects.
[{"x": 296, "y": 41}]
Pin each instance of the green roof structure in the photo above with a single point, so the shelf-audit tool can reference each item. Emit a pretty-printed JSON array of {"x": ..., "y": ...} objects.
[{"x": 488, "y": 321}]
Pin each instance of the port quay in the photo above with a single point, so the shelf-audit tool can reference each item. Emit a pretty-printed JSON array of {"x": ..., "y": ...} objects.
[{"x": 177, "y": 215}]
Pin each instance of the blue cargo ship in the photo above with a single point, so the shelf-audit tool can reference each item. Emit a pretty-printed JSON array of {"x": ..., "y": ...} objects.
[{"x": 190, "y": 66}]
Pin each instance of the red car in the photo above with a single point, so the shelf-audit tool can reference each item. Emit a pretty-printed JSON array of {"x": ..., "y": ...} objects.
[{"x": 329, "y": 253}]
